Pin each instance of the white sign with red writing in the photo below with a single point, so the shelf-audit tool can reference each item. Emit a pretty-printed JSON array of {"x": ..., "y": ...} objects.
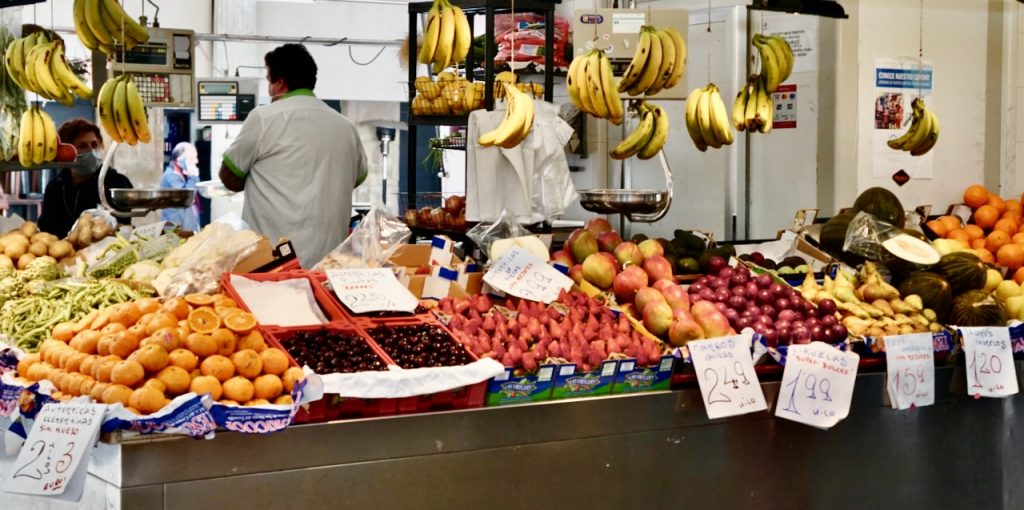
[
  {"x": 522, "y": 275},
  {"x": 51, "y": 460},
  {"x": 725, "y": 373},
  {"x": 911, "y": 370},
  {"x": 371, "y": 290},
  {"x": 817, "y": 385},
  {"x": 989, "y": 358}
]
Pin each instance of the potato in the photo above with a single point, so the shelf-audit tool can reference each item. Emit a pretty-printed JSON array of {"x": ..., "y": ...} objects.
[
  {"x": 100, "y": 230},
  {"x": 43, "y": 237},
  {"x": 16, "y": 249},
  {"x": 38, "y": 249},
  {"x": 6, "y": 261},
  {"x": 84, "y": 238},
  {"x": 29, "y": 229},
  {"x": 61, "y": 249},
  {"x": 25, "y": 260}
]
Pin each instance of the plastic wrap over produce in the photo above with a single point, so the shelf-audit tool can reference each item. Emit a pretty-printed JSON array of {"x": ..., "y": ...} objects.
[
  {"x": 399, "y": 383},
  {"x": 197, "y": 265},
  {"x": 371, "y": 243}
]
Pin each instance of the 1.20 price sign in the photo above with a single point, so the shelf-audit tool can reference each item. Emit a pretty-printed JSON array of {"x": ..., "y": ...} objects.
[
  {"x": 817, "y": 385},
  {"x": 725, "y": 373},
  {"x": 989, "y": 356}
]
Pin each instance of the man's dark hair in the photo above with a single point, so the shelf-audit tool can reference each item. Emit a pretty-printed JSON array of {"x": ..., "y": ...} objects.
[
  {"x": 74, "y": 128},
  {"x": 293, "y": 64}
]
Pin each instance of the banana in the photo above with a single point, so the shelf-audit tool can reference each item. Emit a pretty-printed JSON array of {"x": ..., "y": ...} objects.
[
  {"x": 651, "y": 67},
  {"x": 517, "y": 123},
  {"x": 430, "y": 35},
  {"x": 137, "y": 112},
  {"x": 923, "y": 129},
  {"x": 25, "y": 138},
  {"x": 127, "y": 28},
  {"x": 691, "y": 119},
  {"x": 50, "y": 139},
  {"x": 67, "y": 78},
  {"x": 593, "y": 85},
  {"x": 105, "y": 103},
  {"x": 42, "y": 61},
  {"x": 680, "y": 65},
  {"x": 82, "y": 26},
  {"x": 14, "y": 61},
  {"x": 765, "y": 107},
  {"x": 38, "y": 137},
  {"x": 611, "y": 95},
  {"x": 658, "y": 137},
  {"x": 121, "y": 118},
  {"x": 445, "y": 40},
  {"x": 525, "y": 102},
  {"x": 784, "y": 50},
  {"x": 753, "y": 122},
  {"x": 581, "y": 83},
  {"x": 640, "y": 56},
  {"x": 739, "y": 108},
  {"x": 929, "y": 141},
  {"x": 463, "y": 35},
  {"x": 94, "y": 20},
  {"x": 900, "y": 143},
  {"x": 572, "y": 85},
  {"x": 770, "y": 65},
  {"x": 30, "y": 76},
  {"x": 668, "y": 61},
  {"x": 704, "y": 118},
  {"x": 719, "y": 118},
  {"x": 632, "y": 144}
]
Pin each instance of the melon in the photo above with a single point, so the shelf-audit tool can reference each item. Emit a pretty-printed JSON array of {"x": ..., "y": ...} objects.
[
  {"x": 934, "y": 290},
  {"x": 964, "y": 271},
  {"x": 976, "y": 308},
  {"x": 911, "y": 249},
  {"x": 882, "y": 204},
  {"x": 833, "y": 233}
]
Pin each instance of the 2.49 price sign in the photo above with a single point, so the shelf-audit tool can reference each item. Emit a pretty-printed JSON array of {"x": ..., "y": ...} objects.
[
  {"x": 817, "y": 385},
  {"x": 989, "y": 357},
  {"x": 725, "y": 373}
]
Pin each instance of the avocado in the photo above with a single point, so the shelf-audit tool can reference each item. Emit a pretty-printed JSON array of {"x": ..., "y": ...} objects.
[
  {"x": 768, "y": 264},
  {"x": 638, "y": 238},
  {"x": 688, "y": 265},
  {"x": 792, "y": 261},
  {"x": 691, "y": 240},
  {"x": 667, "y": 247}
]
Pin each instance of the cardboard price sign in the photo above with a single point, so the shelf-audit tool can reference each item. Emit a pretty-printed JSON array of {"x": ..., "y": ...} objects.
[
  {"x": 725, "y": 373},
  {"x": 50, "y": 461},
  {"x": 521, "y": 274},
  {"x": 989, "y": 357},
  {"x": 371, "y": 290},
  {"x": 817, "y": 385},
  {"x": 911, "y": 370}
]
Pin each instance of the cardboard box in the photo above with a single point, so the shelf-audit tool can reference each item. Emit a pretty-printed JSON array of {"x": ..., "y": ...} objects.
[
  {"x": 509, "y": 389},
  {"x": 432, "y": 271},
  {"x": 631, "y": 378},
  {"x": 571, "y": 383},
  {"x": 264, "y": 256}
]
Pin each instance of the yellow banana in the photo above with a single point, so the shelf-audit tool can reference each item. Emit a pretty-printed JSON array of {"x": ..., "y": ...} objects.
[
  {"x": 26, "y": 132},
  {"x": 121, "y": 118},
  {"x": 636, "y": 66},
  {"x": 765, "y": 107},
  {"x": 463, "y": 35},
  {"x": 94, "y": 20},
  {"x": 572, "y": 85},
  {"x": 14, "y": 61},
  {"x": 50, "y": 139},
  {"x": 127, "y": 28},
  {"x": 430, "y": 35},
  {"x": 668, "y": 61},
  {"x": 445, "y": 40},
  {"x": 785, "y": 52},
  {"x": 137, "y": 112},
  {"x": 631, "y": 145},
  {"x": 42, "y": 58},
  {"x": 105, "y": 103},
  {"x": 739, "y": 108},
  {"x": 719, "y": 118},
  {"x": 593, "y": 84},
  {"x": 524, "y": 103},
  {"x": 770, "y": 65},
  {"x": 611, "y": 94},
  {"x": 658, "y": 137},
  {"x": 704, "y": 118},
  {"x": 513, "y": 127},
  {"x": 692, "y": 127},
  {"x": 680, "y": 65},
  {"x": 65, "y": 77},
  {"x": 921, "y": 131},
  {"x": 82, "y": 26},
  {"x": 38, "y": 137},
  {"x": 30, "y": 76},
  {"x": 929, "y": 142},
  {"x": 581, "y": 83},
  {"x": 652, "y": 66},
  {"x": 752, "y": 120}
]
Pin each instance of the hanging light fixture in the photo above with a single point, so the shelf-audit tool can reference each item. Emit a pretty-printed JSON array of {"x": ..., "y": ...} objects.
[{"x": 824, "y": 8}]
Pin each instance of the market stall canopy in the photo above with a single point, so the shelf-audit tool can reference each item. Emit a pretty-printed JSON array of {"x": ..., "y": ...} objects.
[{"x": 824, "y": 8}]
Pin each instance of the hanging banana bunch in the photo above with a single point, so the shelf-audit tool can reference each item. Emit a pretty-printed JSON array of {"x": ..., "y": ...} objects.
[
  {"x": 37, "y": 63},
  {"x": 12, "y": 103},
  {"x": 103, "y": 25},
  {"x": 776, "y": 59},
  {"x": 754, "y": 107},
  {"x": 706, "y": 118},
  {"x": 591, "y": 86},
  {"x": 923, "y": 132},
  {"x": 658, "y": 63},
  {"x": 121, "y": 111},
  {"x": 517, "y": 123},
  {"x": 447, "y": 38},
  {"x": 37, "y": 142},
  {"x": 649, "y": 136}
]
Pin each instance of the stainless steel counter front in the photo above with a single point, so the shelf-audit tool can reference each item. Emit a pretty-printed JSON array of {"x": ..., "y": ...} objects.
[{"x": 654, "y": 450}]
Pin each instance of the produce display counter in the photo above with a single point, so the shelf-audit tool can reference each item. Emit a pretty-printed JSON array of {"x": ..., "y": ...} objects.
[{"x": 632, "y": 451}]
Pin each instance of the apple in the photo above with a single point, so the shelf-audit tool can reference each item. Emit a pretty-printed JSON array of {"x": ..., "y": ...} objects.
[
  {"x": 576, "y": 273},
  {"x": 651, "y": 247},
  {"x": 411, "y": 217},
  {"x": 582, "y": 244},
  {"x": 563, "y": 257},
  {"x": 627, "y": 283},
  {"x": 658, "y": 268},
  {"x": 675, "y": 296},
  {"x": 610, "y": 258},
  {"x": 658, "y": 318},
  {"x": 646, "y": 296},
  {"x": 599, "y": 271},
  {"x": 597, "y": 225},
  {"x": 683, "y": 330},
  {"x": 628, "y": 253},
  {"x": 608, "y": 241}
]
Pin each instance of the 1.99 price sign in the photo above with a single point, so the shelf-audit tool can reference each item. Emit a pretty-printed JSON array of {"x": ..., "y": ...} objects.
[
  {"x": 989, "y": 358},
  {"x": 911, "y": 370},
  {"x": 817, "y": 385},
  {"x": 725, "y": 373}
]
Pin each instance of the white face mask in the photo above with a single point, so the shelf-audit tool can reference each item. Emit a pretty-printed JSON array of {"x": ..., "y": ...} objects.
[{"x": 89, "y": 163}]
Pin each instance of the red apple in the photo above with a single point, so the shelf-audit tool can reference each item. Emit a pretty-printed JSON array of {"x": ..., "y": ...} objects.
[
  {"x": 608, "y": 241},
  {"x": 411, "y": 217},
  {"x": 658, "y": 318},
  {"x": 627, "y": 283},
  {"x": 576, "y": 273},
  {"x": 610, "y": 258},
  {"x": 424, "y": 217},
  {"x": 683, "y": 330},
  {"x": 651, "y": 247},
  {"x": 581, "y": 244},
  {"x": 628, "y": 253},
  {"x": 597, "y": 225},
  {"x": 562, "y": 257},
  {"x": 599, "y": 271},
  {"x": 658, "y": 268},
  {"x": 675, "y": 296},
  {"x": 646, "y": 296}
]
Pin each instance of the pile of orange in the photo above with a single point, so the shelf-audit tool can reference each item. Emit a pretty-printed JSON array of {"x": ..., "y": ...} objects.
[
  {"x": 995, "y": 231},
  {"x": 144, "y": 353}
]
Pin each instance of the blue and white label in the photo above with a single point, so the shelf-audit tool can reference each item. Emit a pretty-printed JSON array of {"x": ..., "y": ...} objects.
[{"x": 892, "y": 78}]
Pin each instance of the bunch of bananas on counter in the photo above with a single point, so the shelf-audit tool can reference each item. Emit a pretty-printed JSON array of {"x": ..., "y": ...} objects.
[
  {"x": 103, "y": 25},
  {"x": 37, "y": 142},
  {"x": 37, "y": 64},
  {"x": 776, "y": 59},
  {"x": 923, "y": 132},
  {"x": 658, "y": 63},
  {"x": 122, "y": 114},
  {"x": 517, "y": 123},
  {"x": 649, "y": 136},
  {"x": 447, "y": 38},
  {"x": 591, "y": 86},
  {"x": 706, "y": 118},
  {"x": 754, "y": 107}
]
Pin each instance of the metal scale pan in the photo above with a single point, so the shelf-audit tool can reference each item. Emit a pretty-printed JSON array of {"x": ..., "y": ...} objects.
[
  {"x": 128, "y": 203},
  {"x": 639, "y": 205}
]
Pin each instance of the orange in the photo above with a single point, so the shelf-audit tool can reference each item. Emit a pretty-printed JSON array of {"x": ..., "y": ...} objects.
[
  {"x": 267, "y": 387},
  {"x": 974, "y": 232},
  {"x": 252, "y": 341},
  {"x": 938, "y": 227},
  {"x": 950, "y": 222},
  {"x": 996, "y": 240},
  {"x": 240, "y": 322},
  {"x": 985, "y": 256},
  {"x": 147, "y": 400},
  {"x": 960, "y": 235},
  {"x": 997, "y": 202},
  {"x": 206, "y": 384},
  {"x": 978, "y": 243},
  {"x": 1011, "y": 255},
  {"x": 1018, "y": 238},
  {"x": 203, "y": 320},
  {"x": 986, "y": 216},
  {"x": 117, "y": 393},
  {"x": 248, "y": 363},
  {"x": 199, "y": 299},
  {"x": 1007, "y": 225},
  {"x": 239, "y": 389},
  {"x": 275, "y": 361},
  {"x": 224, "y": 302},
  {"x": 1018, "y": 276},
  {"x": 976, "y": 196},
  {"x": 177, "y": 306},
  {"x": 63, "y": 331},
  {"x": 283, "y": 400},
  {"x": 1014, "y": 206},
  {"x": 126, "y": 314},
  {"x": 148, "y": 305},
  {"x": 176, "y": 380},
  {"x": 200, "y": 344},
  {"x": 183, "y": 358},
  {"x": 226, "y": 341},
  {"x": 127, "y": 372},
  {"x": 160, "y": 321}
]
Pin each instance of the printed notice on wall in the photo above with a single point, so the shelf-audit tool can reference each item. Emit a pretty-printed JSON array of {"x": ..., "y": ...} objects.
[
  {"x": 898, "y": 81},
  {"x": 785, "y": 107},
  {"x": 801, "y": 32}
]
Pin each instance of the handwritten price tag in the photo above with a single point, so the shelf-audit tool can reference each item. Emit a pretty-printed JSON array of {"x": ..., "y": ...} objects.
[
  {"x": 371, "y": 290},
  {"x": 911, "y": 370},
  {"x": 50, "y": 461},
  {"x": 149, "y": 231},
  {"x": 725, "y": 373},
  {"x": 990, "y": 368},
  {"x": 817, "y": 385},
  {"x": 522, "y": 275}
]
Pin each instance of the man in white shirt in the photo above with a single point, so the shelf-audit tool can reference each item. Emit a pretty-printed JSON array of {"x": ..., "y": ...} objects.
[{"x": 297, "y": 160}]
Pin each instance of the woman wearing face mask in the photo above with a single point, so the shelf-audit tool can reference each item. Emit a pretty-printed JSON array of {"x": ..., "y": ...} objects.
[
  {"x": 77, "y": 189},
  {"x": 182, "y": 173}
]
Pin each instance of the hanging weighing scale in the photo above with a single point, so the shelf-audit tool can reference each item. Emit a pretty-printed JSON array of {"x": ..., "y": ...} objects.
[{"x": 133, "y": 203}]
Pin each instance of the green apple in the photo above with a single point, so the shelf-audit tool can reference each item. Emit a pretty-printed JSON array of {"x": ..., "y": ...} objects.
[
  {"x": 1013, "y": 306},
  {"x": 992, "y": 279},
  {"x": 1007, "y": 289}
]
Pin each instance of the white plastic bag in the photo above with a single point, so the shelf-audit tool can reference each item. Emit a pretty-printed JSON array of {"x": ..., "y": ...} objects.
[{"x": 371, "y": 243}]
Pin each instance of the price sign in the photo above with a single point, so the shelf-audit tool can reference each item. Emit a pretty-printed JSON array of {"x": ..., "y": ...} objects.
[
  {"x": 725, "y": 373},
  {"x": 911, "y": 370},
  {"x": 989, "y": 357},
  {"x": 371, "y": 290},
  {"x": 817, "y": 385},
  {"x": 149, "y": 231},
  {"x": 522, "y": 275},
  {"x": 50, "y": 461}
]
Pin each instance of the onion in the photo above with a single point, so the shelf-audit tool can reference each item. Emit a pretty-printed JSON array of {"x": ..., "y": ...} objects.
[
  {"x": 764, "y": 297},
  {"x": 722, "y": 307},
  {"x": 732, "y": 315},
  {"x": 722, "y": 295},
  {"x": 726, "y": 272},
  {"x": 826, "y": 307},
  {"x": 768, "y": 311},
  {"x": 787, "y": 315},
  {"x": 829, "y": 321},
  {"x": 744, "y": 322},
  {"x": 763, "y": 281},
  {"x": 737, "y": 302}
]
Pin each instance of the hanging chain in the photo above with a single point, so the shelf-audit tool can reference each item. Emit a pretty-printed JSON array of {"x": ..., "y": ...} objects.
[
  {"x": 709, "y": 41},
  {"x": 920, "y": 49}
]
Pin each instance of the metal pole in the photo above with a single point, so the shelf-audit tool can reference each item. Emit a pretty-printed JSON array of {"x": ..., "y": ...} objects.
[{"x": 326, "y": 41}]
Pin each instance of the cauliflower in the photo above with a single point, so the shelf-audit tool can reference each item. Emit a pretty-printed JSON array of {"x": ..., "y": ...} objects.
[
  {"x": 10, "y": 288},
  {"x": 6, "y": 271},
  {"x": 41, "y": 269},
  {"x": 145, "y": 271}
]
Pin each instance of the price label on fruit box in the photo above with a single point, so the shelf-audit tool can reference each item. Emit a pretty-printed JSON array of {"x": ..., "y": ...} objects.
[
  {"x": 371, "y": 290},
  {"x": 817, "y": 385},
  {"x": 521, "y": 274},
  {"x": 51, "y": 460},
  {"x": 149, "y": 231},
  {"x": 989, "y": 358},
  {"x": 911, "y": 370},
  {"x": 725, "y": 373}
]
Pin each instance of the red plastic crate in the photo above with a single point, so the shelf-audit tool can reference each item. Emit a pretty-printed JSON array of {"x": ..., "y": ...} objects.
[
  {"x": 320, "y": 280},
  {"x": 323, "y": 298}
]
